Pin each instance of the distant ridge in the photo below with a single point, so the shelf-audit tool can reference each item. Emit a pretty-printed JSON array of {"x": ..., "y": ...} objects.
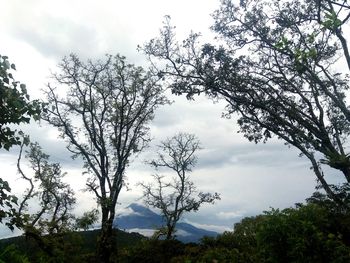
[{"x": 143, "y": 220}]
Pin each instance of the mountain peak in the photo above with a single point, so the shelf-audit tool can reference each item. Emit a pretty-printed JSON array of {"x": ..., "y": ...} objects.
[
  {"x": 142, "y": 210},
  {"x": 140, "y": 219}
]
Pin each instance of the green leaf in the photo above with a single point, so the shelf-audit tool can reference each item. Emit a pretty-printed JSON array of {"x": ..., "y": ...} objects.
[{"x": 23, "y": 88}]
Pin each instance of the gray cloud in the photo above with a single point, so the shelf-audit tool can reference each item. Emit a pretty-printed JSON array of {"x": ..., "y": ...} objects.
[{"x": 57, "y": 37}]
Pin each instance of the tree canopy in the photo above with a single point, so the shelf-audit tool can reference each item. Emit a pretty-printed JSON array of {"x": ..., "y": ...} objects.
[
  {"x": 15, "y": 105},
  {"x": 15, "y": 108},
  {"x": 178, "y": 195},
  {"x": 104, "y": 118},
  {"x": 282, "y": 66}
]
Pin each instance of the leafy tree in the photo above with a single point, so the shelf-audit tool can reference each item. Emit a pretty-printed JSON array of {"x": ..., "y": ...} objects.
[
  {"x": 15, "y": 108},
  {"x": 8, "y": 202},
  {"x": 281, "y": 66},
  {"x": 15, "y": 105},
  {"x": 104, "y": 118},
  {"x": 55, "y": 198},
  {"x": 312, "y": 232},
  {"x": 179, "y": 195},
  {"x": 304, "y": 234},
  {"x": 87, "y": 219}
]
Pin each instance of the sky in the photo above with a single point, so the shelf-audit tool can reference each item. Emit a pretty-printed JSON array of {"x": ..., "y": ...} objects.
[{"x": 37, "y": 34}]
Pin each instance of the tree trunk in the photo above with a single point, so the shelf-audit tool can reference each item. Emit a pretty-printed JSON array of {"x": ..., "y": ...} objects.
[
  {"x": 170, "y": 230},
  {"x": 346, "y": 172},
  {"x": 106, "y": 244},
  {"x": 323, "y": 182}
]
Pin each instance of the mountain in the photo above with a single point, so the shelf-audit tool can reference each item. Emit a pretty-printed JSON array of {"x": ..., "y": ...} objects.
[{"x": 137, "y": 218}]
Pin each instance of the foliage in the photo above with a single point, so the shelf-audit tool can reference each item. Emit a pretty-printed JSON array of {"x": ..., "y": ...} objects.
[
  {"x": 7, "y": 201},
  {"x": 276, "y": 66},
  {"x": 219, "y": 254},
  {"x": 87, "y": 219},
  {"x": 11, "y": 254},
  {"x": 71, "y": 247},
  {"x": 160, "y": 251},
  {"x": 15, "y": 105},
  {"x": 178, "y": 196},
  {"x": 306, "y": 233},
  {"x": 104, "y": 118},
  {"x": 311, "y": 232},
  {"x": 55, "y": 199},
  {"x": 15, "y": 108}
]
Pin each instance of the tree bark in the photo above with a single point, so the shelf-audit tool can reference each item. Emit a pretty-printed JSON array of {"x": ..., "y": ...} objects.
[{"x": 106, "y": 244}]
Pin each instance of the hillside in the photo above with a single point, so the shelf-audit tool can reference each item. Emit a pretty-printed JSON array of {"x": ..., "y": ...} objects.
[{"x": 84, "y": 242}]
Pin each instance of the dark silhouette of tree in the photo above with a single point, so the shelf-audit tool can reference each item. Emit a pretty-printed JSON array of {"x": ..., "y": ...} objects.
[
  {"x": 282, "y": 66},
  {"x": 179, "y": 195},
  {"x": 104, "y": 118}
]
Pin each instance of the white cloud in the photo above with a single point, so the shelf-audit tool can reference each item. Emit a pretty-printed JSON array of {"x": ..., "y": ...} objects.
[
  {"x": 182, "y": 233},
  {"x": 143, "y": 231},
  {"x": 216, "y": 228},
  {"x": 125, "y": 211},
  {"x": 230, "y": 215}
]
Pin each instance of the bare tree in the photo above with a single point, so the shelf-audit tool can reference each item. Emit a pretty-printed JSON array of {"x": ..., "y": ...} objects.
[
  {"x": 179, "y": 195},
  {"x": 104, "y": 118}
]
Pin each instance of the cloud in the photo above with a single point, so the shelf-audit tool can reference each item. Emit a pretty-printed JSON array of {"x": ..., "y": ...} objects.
[
  {"x": 216, "y": 228},
  {"x": 142, "y": 231},
  {"x": 230, "y": 215},
  {"x": 125, "y": 211}
]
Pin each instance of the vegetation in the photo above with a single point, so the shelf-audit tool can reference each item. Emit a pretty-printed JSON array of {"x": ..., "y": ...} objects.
[
  {"x": 55, "y": 200},
  {"x": 15, "y": 108},
  {"x": 15, "y": 105},
  {"x": 313, "y": 232},
  {"x": 275, "y": 65},
  {"x": 177, "y": 196},
  {"x": 73, "y": 247},
  {"x": 104, "y": 119}
]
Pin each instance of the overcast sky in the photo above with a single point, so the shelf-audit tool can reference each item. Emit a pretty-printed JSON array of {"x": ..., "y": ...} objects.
[{"x": 36, "y": 34}]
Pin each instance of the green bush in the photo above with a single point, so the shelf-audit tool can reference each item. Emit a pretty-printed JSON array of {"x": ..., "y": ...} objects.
[
  {"x": 11, "y": 254},
  {"x": 149, "y": 251},
  {"x": 303, "y": 234}
]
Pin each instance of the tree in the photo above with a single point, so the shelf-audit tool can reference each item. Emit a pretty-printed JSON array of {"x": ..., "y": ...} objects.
[
  {"x": 179, "y": 195},
  {"x": 53, "y": 219},
  {"x": 15, "y": 108},
  {"x": 8, "y": 202},
  {"x": 281, "y": 66},
  {"x": 87, "y": 219},
  {"x": 104, "y": 118},
  {"x": 308, "y": 233},
  {"x": 15, "y": 105}
]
